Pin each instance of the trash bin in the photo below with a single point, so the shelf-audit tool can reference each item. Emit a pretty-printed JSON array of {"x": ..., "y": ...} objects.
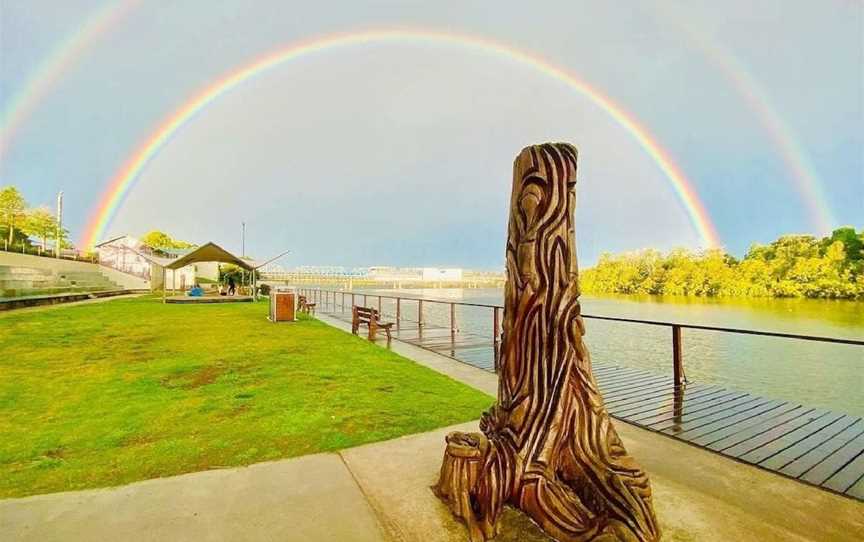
[{"x": 283, "y": 305}]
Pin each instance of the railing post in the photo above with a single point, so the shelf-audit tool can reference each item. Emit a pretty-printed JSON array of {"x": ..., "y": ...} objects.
[
  {"x": 352, "y": 302},
  {"x": 398, "y": 312},
  {"x": 379, "y": 306},
  {"x": 343, "y": 301},
  {"x": 495, "y": 325},
  {"x": 452, "y": 318},
  {"x": 677, "y": 356},
  {"x": 495, "y": 346},
  {"x": 453, "y": 329},
  {"x": 419, "y": 316}
]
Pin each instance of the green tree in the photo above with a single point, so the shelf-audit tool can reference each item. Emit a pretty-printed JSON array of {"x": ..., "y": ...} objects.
[
  {"x": 41, "y": 224},
  {"x": 12, "y": 206},
  {"x": 158, "y": 239},
  {"x": 853, "y": 242},
  {"x": 791, "y": 266}
]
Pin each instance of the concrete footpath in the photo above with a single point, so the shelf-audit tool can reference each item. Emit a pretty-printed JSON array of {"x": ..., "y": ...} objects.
[{"x": 380, "y": 492}]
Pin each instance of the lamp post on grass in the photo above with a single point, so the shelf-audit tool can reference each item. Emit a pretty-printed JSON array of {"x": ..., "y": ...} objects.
[{"x": 59, "y": 224}]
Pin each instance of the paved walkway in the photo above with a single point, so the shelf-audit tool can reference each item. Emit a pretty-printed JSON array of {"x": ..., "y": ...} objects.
[{"x": 380, "y": 492}]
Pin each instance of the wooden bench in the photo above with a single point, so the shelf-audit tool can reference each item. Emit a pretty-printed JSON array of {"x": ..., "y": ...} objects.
[
  {"x": 371, "y": 319},
  {"x": 304, "y": 305}
]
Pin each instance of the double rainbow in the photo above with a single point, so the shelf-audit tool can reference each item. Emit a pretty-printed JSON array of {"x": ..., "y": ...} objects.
[
  {"x": 130, "y": 172},
  {"x": 795, "y": 158},
  {"x": 58, "y": 62}
]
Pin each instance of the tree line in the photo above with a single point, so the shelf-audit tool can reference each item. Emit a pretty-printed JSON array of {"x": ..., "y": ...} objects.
[
  {"x": 792, "y": 266},
  {"x": 19, "y": 223}
]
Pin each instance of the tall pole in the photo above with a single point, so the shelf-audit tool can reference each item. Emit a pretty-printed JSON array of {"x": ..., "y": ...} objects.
[
  {"x": 243, "y": 240},
  {"x": 59, "y": 224}
]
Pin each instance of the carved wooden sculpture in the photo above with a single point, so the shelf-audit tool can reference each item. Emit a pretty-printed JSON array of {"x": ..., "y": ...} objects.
[{"x": 548, "y": 446}]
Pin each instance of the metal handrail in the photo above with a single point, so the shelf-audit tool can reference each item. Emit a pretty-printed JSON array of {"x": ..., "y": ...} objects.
[{"x": 817, "y": 338}]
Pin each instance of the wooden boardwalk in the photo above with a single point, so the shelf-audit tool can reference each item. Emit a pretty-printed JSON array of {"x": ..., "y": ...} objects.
[{"x": 812, "y": 445}]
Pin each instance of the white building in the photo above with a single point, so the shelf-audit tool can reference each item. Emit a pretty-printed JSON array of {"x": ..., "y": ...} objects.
[
  {"x": 442, "y": 274},
  {"x": 129, "y": 255}
]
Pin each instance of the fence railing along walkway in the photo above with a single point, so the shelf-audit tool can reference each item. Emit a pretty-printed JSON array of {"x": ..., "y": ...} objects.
[{"x": 812, "y": 445}]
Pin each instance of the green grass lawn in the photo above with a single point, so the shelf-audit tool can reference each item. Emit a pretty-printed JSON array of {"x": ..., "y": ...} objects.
[{"x": 108, "y": 393}]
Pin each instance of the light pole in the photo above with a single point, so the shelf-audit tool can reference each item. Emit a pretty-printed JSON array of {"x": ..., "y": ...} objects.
[
  {"x": 242, "y": 250},
  {"x": 59, "y": 224}
]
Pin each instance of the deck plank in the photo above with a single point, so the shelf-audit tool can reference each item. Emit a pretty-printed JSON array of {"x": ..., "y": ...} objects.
[
  {"x": 607, "y": 384},
  {"x": 756, "y": 429},
  {"x": 625, "y": 376},
  {"x": 715, "y": 418},
  {"x": 805, "y": 453},
  {"x": 857, "y": 489},
  {"x": 691, "y": 404},
  {"x": 742, "y": 424},
  {"x": 832, "y": 464},
  {"x": 789, "y": 440},
  {"x": 600, "y": 369},
  {"x": 638, "y": 398},
  {"x": 800, "y": 465},
  {"x": 644, "y": 399},
  {"x": 636, "y": 407},
  {"x": 755, "y": 442},
  {"x": 843, "y": 480},
  {"x": 677, "y": 402},
  {"x": 633, "y": 386},
  {"x": 697, "y": 411}
]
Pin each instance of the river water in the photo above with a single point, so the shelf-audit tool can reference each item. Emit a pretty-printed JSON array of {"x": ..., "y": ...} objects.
[{"x": 815, "y": 374}]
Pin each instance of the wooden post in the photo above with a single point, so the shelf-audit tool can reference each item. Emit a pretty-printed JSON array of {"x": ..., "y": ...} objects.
[
  {"x": 379, "y": 307},
  {"x": 548, "y": 446},
  {"x": 677, "y": 357},
  {"x": 419, "y": 317}
]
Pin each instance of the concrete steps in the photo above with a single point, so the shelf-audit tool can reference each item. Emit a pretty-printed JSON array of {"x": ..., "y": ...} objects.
[{"x": 17, "y": 281}]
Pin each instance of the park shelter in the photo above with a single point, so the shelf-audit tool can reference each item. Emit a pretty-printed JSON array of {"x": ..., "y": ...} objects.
[{"x": 208, "y": 252}]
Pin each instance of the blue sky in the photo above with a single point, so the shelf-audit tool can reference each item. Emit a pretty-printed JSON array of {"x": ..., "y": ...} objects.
[{"x": 401, "y": 153}]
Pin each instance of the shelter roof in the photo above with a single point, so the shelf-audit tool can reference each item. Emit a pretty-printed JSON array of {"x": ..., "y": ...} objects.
[{"x": 208, "y": 252}]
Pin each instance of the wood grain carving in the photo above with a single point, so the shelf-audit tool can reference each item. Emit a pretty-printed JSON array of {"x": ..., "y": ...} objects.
[{"x": 548, "y": 446}]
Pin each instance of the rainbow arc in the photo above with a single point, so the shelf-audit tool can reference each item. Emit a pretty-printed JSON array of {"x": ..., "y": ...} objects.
[{"x": 125, "y": 179}]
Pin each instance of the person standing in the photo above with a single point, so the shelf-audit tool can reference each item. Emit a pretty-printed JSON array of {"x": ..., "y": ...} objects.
[{"x": 232, "y": 288}]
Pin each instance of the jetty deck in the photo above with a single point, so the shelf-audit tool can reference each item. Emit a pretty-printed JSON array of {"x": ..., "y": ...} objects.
[{"x": 812, "y": 445}]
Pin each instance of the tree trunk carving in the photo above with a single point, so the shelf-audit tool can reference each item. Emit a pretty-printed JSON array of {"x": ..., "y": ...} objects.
[{"x": 548, "y": 446}]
